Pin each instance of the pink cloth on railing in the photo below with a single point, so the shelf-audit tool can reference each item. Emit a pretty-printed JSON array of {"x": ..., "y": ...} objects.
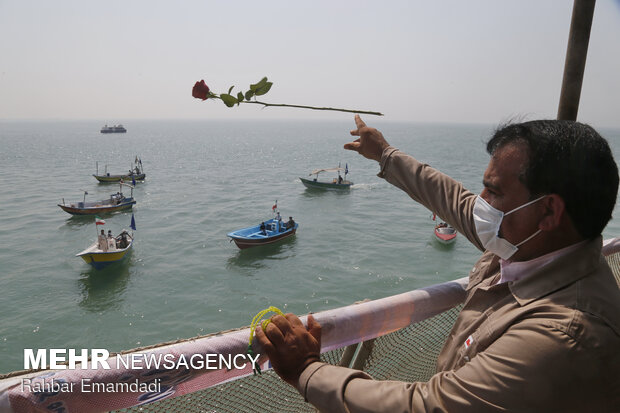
[{"x": 341, "y": 327}]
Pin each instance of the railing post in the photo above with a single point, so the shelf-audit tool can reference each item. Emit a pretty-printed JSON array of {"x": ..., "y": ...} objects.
[
  {"x": 347, "y": 356},
  {"x": 576, "y": 53},
  {"x": 363, "y": 353}
]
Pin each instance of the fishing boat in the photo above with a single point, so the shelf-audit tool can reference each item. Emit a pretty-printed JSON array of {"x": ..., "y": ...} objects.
[
  {"x": 444, "y": 233},
  {"x": 116, "y": 202},
  {"x": 113, "y": 129},
  {"x": 135, "y": 173},
  {"x": 267, "y": 232},
  {"x": 108, "y": 250},
  {"x": 338, "y": 183}
]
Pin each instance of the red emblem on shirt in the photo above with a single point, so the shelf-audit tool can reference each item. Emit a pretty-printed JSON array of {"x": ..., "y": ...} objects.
[{"x": 469, "y": 342}]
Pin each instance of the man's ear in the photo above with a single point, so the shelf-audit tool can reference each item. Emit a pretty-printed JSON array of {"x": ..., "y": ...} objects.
[{"x": 554, "y": 212}]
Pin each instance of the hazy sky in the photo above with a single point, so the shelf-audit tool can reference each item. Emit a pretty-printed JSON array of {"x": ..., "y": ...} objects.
[{"x": 478, "y": 61}]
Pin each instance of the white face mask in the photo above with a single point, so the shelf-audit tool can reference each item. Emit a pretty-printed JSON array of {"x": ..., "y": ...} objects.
[{"x": 488, "y": 221}]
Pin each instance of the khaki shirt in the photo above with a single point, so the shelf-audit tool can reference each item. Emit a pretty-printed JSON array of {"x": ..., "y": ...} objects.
[{"x": 546, "y": 343}]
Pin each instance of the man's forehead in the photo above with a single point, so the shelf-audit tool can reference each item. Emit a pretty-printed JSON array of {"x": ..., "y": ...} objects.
[{"x": 507, "y": 162}]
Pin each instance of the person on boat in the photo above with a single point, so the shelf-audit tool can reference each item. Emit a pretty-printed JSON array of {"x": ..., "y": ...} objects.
[
  {"x": 111, "y": 241},
  {"x": 540, "y": 327},
  {"x": 102, "y": 242},
  {"x": 339, "y": 179},
  {"x": 263, "y": 228},
  {"x": 123, "y": 242},
  {"x": 278, "y": 220},
  {"x": 290, "y": 224}
]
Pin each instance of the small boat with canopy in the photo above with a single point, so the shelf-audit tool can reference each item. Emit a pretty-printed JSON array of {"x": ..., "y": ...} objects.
[{"x": 338, "y": 183}]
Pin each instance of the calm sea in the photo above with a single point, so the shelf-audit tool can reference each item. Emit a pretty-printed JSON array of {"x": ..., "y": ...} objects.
[{"x": 204, "y": 179}]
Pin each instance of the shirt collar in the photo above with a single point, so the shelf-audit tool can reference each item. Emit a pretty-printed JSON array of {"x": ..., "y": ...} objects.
[
  {"x": 514, "y": 271},
  {"x": 559, "y": 272}
]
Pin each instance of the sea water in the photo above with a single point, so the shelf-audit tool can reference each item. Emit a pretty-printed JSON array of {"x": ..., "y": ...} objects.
[{"x": 204, "y": 179}]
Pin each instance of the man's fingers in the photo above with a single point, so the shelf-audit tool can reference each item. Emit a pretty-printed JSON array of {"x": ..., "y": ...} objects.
[
  {"x": 353, "y": 146},
  {"x": 294, "y": 320},
  {"x": 263, "y": 340},
  {"x": 359, "y": 122},
  {"x": 281, "y": 323},
  {"x": 273, "y": 333}
]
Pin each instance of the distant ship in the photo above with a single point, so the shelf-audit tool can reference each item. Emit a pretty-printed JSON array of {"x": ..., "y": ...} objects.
[{"x": 113, "y": 129}]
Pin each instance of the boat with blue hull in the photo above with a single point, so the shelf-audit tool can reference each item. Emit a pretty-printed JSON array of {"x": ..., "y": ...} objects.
[{"x": 272, "y": 231}]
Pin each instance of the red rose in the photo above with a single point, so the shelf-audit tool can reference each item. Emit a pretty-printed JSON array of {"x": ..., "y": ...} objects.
[{"x": 201, "y": 90}]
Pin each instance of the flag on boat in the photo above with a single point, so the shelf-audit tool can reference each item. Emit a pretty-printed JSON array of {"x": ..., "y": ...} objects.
[
  {"x": 346, "y": 168},
  {"x": 275, "y": 206},
  {"x": 99, "y": 221},
  {"x": 133, "y": 223}
]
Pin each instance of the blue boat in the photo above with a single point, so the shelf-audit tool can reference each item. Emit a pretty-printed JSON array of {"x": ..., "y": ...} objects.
[{"x": 274, "y": 230}]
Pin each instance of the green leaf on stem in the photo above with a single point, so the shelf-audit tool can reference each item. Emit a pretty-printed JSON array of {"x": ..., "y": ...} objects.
[
  {"x": 240, "y": 97},
  {"x": 249, "y": 94},
  {"x": 263, "y": 89},
  {"x": 258, "y": 85},
  {"x": 228, "y": 100},
  {"x": 230, "y": 90}
]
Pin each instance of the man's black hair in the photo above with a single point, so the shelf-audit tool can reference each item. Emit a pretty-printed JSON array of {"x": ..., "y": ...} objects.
[{"x": 569, "y": 159}]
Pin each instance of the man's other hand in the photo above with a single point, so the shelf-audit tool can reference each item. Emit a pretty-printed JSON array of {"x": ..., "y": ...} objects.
[{"x": 290, "y": 346}]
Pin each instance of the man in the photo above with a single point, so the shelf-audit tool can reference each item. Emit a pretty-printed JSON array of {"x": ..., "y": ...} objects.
[
  {"x": 103, "y": 242},
  {"x": 540, "y": 328},
  {"x": 123, "y": 242},
  {"x": 291, "y": 223}
]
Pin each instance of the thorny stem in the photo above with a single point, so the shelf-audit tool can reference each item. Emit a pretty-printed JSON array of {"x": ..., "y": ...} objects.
[{"x": 364, "y": 112}]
